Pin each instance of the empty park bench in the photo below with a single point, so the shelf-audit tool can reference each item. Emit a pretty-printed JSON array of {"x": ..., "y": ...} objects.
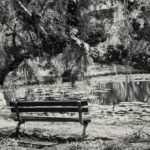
[{"x": 26, "y": 110}]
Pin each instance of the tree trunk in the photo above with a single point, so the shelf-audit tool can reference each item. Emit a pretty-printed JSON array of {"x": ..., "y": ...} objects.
[
  {"x": 3, "y": 74},
  {"x": 8, "y": 68},
  {"x": 44, "y": 36}
]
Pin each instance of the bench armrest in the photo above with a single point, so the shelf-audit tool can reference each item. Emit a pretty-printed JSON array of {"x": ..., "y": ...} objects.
[
  {"x": 80, "y": 112},
  {"x": 17, "y": 112}
]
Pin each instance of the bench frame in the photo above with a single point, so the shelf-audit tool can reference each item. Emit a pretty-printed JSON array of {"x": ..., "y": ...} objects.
[{"x": 83, "y": 121}]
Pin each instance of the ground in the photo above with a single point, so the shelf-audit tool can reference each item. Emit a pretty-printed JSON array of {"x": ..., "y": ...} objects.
[{"x": 124, "y": 128}]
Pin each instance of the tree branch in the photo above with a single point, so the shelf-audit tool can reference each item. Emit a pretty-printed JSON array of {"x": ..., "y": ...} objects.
[
  {"x": 42, "y": 5},
  {"x": 39, "y": 30},
  {"x": 15, "y": 32},
  {"x": 79, "y": 42},
  {"x": 37, "y": 27},
  {"x": 26, "y": 11},
  {"x": 31, "y": 38}
]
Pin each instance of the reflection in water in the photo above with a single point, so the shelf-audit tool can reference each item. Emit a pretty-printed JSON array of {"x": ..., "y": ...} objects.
[
  {"x": 102, "y": 93},
  {"x": 127, "y": 91}
]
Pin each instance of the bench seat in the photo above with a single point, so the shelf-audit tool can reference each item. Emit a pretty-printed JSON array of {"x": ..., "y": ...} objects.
[{"x": 51, "y": 119}]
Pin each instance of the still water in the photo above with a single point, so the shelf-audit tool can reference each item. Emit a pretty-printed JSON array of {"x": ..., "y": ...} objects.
[{"x": 98, "y": 92}]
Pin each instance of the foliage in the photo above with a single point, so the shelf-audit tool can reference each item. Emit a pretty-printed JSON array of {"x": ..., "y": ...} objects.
[
  {"x": 128, "y": 36},
  {"x": 40, "y": 28},
  {"x": 118, "y": 53},
  {"x": 141, "y": 61},
  {"x": 70, "y": 32}
]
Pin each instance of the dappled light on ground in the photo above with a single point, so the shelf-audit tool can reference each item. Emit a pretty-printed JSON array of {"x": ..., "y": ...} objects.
[{"x": 117, "y": 123}]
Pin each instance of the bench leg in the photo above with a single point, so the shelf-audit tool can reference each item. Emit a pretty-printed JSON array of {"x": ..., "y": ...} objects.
[
  {"x": 17, "y": 129},
  {"x": 84, "y": 129}
]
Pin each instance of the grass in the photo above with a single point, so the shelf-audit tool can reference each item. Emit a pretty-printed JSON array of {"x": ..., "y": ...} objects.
[
  {"x": 107, "y": 132},
  {"x": 119, "y": 129}
]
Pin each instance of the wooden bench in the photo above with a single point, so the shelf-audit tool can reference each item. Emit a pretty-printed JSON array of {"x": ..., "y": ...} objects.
[{"x": 24, "y": 111}]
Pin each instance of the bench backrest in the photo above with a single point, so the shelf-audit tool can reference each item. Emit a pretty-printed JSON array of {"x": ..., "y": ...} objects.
[{"x": 49, "y": 106}]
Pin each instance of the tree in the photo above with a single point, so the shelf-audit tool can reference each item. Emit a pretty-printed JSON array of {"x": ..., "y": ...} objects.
[
  {"x": 70, "y": 30},
  {"x": 38, "y": 28}
]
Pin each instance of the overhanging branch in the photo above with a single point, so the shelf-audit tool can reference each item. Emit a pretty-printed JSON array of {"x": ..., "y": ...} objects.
[
  {"x": 26, "y": 11},
  {"x": 42, "y": 32},
  {"x": 37, "y": 27}
]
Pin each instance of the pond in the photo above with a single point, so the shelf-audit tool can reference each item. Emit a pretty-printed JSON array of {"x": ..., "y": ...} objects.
[{"x": 103, "y": 92}]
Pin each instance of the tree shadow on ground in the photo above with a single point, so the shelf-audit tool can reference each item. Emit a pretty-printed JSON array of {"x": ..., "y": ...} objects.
[{"x": 35, "y": 139}]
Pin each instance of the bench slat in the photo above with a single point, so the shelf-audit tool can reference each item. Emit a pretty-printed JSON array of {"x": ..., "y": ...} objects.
[
  {"x": 49, "y": 103},
  {"x": 49, "y": 109},
  {"x": 52, "y": 119}
]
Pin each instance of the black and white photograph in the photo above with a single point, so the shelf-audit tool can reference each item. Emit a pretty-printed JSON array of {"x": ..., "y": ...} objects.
[{"x": 74, "y": 74}]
